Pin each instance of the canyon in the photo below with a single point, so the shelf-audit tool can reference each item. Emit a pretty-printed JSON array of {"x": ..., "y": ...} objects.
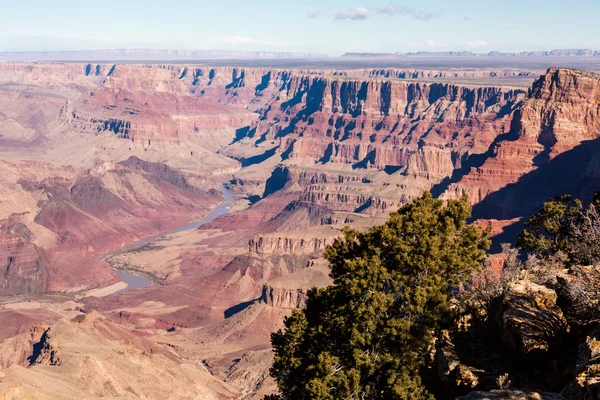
[{"x": 95, "y": 157}]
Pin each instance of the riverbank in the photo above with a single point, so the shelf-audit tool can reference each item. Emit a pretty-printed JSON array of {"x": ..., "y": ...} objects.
[{"x": 134, "y": 277}]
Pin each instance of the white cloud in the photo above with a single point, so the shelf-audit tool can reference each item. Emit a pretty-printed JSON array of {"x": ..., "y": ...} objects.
[
  {"x": 397, "y": 9},
  {"x": 241, "y": 40},
  {"x": 362, "y": 13},
  {"x": 355, "y": 14},
  {"x": 316, "y": 14},
  {"x": 425, "y": 16}
]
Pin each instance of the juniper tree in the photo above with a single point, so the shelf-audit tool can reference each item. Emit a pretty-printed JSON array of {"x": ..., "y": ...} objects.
[
  {"x": 564, "y": 229},
  {"x": 368, "y": 335}
]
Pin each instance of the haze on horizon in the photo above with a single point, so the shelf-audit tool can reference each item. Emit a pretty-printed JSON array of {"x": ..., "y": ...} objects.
[{"x": 327, "y": 26}]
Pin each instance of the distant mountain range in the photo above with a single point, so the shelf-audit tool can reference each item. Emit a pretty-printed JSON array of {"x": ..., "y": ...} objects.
[
  {"x": 549, "y": 53},
  {"x": 180, "y": 55},
  {"x": 151, "y": 55}
]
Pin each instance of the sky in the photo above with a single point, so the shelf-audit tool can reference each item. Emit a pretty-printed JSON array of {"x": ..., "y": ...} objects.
[{"x": 331, "y": 27}]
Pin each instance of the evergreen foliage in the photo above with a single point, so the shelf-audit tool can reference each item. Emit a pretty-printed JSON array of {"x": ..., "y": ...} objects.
[
  {"x": 369, "y": 334},
  {"x": 563, "y": 229}
]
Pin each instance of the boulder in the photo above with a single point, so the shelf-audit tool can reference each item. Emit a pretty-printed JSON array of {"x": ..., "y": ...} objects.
[
  {"x": 586, "y": 383},
  {"x": 531, "y": 321},
  {"x": 454, "y": 375}
]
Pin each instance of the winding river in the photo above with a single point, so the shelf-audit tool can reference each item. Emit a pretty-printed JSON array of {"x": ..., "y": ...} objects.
[{"x": 134, "y": 281}]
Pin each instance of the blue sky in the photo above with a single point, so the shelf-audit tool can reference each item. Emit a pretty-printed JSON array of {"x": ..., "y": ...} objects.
[{"x": 324, "y": 26}]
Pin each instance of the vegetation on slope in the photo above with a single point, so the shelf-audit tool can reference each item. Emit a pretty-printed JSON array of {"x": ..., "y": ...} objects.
[
  {"x": 413, "y": 315},
  {"x": 369, "y": 334}
]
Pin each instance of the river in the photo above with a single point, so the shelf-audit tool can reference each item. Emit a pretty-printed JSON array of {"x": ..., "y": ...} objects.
[{"x": 134, "y": 281}]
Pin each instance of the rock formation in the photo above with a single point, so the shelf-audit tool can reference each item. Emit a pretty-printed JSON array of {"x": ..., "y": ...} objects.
[
  {"x": 525, "y": 332},
  {"x": 560, "y": 114},
  {"x": 100, "y": 155},
  {"x": 284, "y": 298},
  {"x": 99, "y": 359}
]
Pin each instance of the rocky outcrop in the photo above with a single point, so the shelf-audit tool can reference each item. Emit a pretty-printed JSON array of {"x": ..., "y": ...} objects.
[
  {"x": 255, "y": 269},
  {"x": 152, "y": 80},
  {"x": 563, "y": 110},
  {"x": 586, "y": 384},
  {"x": 307, "y": 176},
  {"x": 454, "y": 376},
  {"x": 335, "y": 190},
  {"x": 138, "y": 126},
  {"x": 250, "y": 374},
  {"x": 531, "y": 322},
  {"x": 432, "y": 164},
  {"x": 342, "y": 199},
  {"x": 44, "y": 352},
  {"x": 284, "y": 298},
  {"x": 274, "y": 244},
  {"x": 19, "y": 349}
]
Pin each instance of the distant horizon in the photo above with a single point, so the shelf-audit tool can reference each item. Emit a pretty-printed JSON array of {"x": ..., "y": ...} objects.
[
  {"x": 449, "y": 52},
  {"x": 531, "y": 61}
]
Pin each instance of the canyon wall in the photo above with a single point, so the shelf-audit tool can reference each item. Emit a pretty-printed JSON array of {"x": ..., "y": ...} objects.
[
  {"x": 332, "y": 144},
  {"x": 308, "y": 152},
  {"x": 380, "y": 123},
  {"x": 336, "y": 136},
  {"x": 550, "y": 150}
]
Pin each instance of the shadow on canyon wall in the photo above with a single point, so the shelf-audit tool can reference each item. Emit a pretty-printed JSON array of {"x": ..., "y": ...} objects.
[{"x": 571, "y": 172}]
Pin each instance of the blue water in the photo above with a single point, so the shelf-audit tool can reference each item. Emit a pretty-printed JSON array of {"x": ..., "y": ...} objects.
[
  {"x": 133, "y": 281},
  {"x": 139, "y": 282},
  {"x": 221, "y": 209}
]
